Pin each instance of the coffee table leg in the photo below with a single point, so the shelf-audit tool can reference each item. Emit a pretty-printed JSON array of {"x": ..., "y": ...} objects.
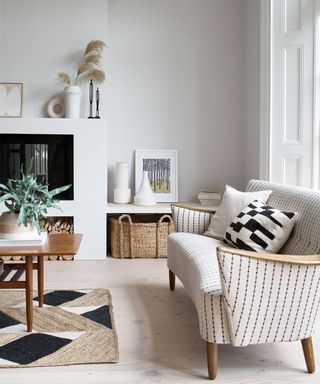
[
  {"x": 29, "y": 292},
  {"x": 40, "y": 280}
]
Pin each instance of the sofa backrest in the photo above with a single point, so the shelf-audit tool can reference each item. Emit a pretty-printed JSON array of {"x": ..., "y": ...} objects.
[{"x": 305, "y": 238}]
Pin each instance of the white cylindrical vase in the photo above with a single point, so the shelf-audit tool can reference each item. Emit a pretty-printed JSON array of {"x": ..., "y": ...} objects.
[
  {"x": 72, "y": 97},
  {"x": 145, "y": 195},
  {"x": 122, "y": 192}
]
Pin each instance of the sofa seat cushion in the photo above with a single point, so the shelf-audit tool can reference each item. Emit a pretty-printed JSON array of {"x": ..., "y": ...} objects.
[{"x": 194, "y": 256}]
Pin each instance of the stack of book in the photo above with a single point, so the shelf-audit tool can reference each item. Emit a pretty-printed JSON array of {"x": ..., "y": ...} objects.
[
  {"x": 209, "y": 198},
  {"x": 32, "y": 241}
]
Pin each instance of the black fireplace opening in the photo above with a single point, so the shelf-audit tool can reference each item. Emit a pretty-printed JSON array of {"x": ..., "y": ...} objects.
[{"x": 52, "y": 159}]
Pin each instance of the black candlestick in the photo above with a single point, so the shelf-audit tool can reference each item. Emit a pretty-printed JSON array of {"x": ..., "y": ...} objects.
[
  {"x": 97, "y": 102},
  {"x": 91, "y": 98}
]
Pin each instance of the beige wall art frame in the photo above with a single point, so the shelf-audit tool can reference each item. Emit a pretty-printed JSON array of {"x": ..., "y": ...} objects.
[{"x": 11, "y": 98}]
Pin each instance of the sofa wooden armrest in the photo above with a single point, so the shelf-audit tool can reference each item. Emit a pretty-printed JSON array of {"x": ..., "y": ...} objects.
[{"x": 306, "y": 260}]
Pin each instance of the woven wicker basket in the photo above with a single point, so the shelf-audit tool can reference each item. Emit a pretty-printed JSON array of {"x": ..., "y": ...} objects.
[{"x": 130, "y": 239}]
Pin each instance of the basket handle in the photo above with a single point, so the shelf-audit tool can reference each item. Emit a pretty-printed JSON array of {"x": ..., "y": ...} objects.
[
  {"x": 125, "y": 216},
  {"x": 157, "y": 235},
  {"x": 165, "y": 217},
  {"x": 120, "y": 221}
]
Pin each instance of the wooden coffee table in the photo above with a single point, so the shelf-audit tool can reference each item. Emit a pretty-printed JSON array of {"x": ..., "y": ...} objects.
[{"x": 66, "y": 244}]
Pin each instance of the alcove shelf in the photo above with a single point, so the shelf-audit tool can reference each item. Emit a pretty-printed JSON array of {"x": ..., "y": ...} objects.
[{"x": 159, "y": 208}]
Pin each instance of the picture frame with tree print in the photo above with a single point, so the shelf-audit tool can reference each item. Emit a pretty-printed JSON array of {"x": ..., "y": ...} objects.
[{"x": 162, "y": 167}]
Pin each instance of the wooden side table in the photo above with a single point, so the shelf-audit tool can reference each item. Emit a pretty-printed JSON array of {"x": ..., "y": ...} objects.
[{"x": 56, "y": 244}]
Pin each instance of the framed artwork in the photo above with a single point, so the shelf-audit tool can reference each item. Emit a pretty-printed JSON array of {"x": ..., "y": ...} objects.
[
  {"x": 162, "y": 167},
  {"x": 11, "y": 95}
]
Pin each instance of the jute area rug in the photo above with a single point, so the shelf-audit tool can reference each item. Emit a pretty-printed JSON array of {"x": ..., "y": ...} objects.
[{"x": 73, "y": 327}]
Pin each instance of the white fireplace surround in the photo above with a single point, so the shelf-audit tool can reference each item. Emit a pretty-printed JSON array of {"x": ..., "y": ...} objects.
[{"x": 90, "y": 176}]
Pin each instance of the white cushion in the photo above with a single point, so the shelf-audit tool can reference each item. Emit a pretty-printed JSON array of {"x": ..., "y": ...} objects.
[
  {"x": 260, "y": 228},
  {"x": 233, "y": 202}
]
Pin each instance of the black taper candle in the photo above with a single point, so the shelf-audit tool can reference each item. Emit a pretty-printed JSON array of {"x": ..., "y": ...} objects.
[
  {"x": 91, "y": 99},
  {"x": 97, "y": 103}
]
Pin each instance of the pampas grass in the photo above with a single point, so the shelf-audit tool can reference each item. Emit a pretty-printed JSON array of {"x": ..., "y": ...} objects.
[
  {"x": 96, "y": 74},
  {"x": 94, "y": 58},
  {"x": 64, "y": 78},
  {"x": 90, "y": 66},
  {"x": 84, "y": 67},
  {"x": 95, "y": 46}
]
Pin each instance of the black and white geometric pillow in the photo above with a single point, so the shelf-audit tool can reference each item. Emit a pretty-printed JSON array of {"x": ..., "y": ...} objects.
[{"x": 260, "y": 228}]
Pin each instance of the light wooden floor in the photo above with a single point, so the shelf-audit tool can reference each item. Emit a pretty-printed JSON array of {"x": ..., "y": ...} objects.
[{"x": 158, "y": 335}]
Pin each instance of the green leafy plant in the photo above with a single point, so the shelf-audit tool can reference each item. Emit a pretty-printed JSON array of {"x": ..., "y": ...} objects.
[
  {"x": 28, "y": 198},
  {"x": 89, "y": 67}
]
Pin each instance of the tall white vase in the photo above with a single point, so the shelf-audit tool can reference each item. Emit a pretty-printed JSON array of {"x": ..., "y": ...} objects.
[
  {"x": 145, "y": 195},
  {"x": 122, "y": 192},
  {"x": 72, "y": 97}
]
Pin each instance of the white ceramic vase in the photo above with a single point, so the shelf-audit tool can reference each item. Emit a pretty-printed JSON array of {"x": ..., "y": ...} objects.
[
  {"x": 122, "y": 192},
  {"x": 9, "y": 228},
  {"x": 72, "y": 98},
  {"x": 145, "y": 195}
]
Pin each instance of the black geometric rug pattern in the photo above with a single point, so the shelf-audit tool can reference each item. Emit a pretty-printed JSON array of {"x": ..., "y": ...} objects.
[{"x": 73, "y": 327}]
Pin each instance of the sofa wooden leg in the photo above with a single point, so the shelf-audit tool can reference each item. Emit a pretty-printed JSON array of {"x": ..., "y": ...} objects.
[
  {"x": 172, "y": 280},
  {"x": 308, "y": 354},
  {"x": 212, "y": 357}
]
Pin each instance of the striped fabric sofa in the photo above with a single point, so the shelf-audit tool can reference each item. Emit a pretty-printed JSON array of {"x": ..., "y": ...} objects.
[{"x": 245, "y": 297}]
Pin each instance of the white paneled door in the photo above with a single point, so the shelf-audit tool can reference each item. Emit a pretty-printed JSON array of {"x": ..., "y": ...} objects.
[{"x": 292, "y": 92}]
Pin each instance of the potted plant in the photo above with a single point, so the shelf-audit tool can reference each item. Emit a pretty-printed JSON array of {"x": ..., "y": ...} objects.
[
  {"x": 89, "y": 68},
  {"x": 27, "y": 201}
]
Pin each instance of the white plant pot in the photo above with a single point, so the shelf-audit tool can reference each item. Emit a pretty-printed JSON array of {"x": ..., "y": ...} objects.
[
  {"x": 72, "y": 98},
  {"x": 9, "y": 228},
  {"x": 145, "y": 195},
  {"x": 122, "y": 193}
]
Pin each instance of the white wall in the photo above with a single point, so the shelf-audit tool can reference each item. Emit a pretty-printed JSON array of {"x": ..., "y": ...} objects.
[
  {"x": 252, "y": 88},
  {"x": 176, "y": 80},
  {"x": 43, "y": 37},
  {"x": 1, "y": 44},
  {"x": 176, "y": 76}
]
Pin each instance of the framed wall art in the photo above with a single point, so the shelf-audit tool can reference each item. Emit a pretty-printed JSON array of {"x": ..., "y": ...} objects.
[
  {"x": 11, "y": 97},
  {"x": 162, "y": 167}
]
